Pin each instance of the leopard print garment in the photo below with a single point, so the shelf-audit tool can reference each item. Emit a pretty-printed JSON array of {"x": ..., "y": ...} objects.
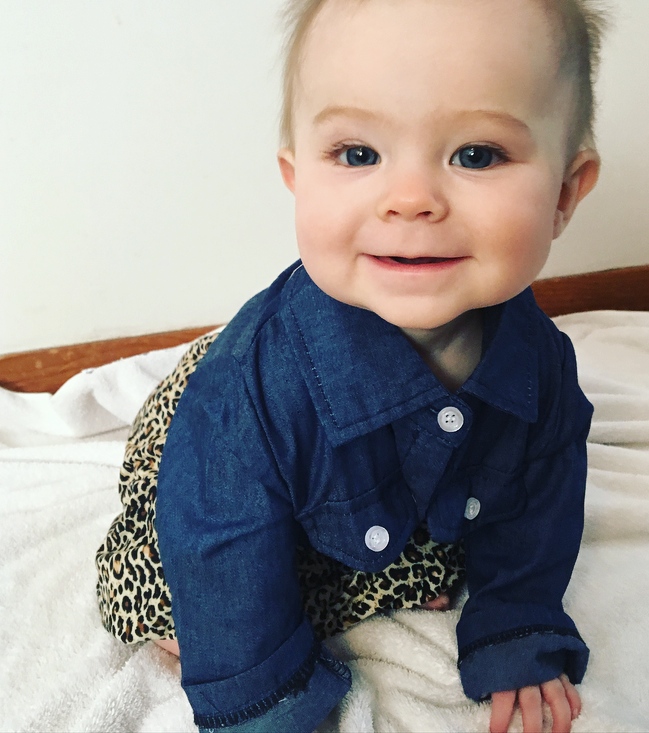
[{"x": 134, "y": 600}]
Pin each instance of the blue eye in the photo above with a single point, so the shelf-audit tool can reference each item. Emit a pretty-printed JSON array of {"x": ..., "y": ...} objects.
[
  {"x": 359, "y": 156},
  {"x": 477, "y": 157}
]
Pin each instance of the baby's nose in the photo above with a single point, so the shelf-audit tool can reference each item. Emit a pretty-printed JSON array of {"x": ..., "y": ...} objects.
[{"x": 413, "y": 195}]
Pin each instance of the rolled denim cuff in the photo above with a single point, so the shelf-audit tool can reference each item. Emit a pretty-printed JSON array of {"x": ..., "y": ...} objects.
[
  {"x": 256, "y": 701},
  {"x": 530, "y": 656},
  {"x": 303, "y": 710}
]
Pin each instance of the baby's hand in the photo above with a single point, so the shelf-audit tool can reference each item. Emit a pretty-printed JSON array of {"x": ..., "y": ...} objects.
[{"x": 560, "y": 695}]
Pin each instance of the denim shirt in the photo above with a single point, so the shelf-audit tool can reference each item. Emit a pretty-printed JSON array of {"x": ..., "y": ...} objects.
[{"x": 309, "y": 418}]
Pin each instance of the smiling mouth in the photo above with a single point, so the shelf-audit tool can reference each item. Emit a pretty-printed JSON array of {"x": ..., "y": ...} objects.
[{"x": 417, "y": 260}]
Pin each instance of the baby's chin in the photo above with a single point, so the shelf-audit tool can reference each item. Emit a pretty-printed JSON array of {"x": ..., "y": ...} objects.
[
  {"x": 406, "y": 318},
  {"x": 423, "y": 316},
  {"x": 407, "y": 313},
  {"x": 421, "y": 321}
]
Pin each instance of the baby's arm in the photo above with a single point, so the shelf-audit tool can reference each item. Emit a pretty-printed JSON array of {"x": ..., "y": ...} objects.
[
  {"x": 226, "y": 536},
  {"x": 560, "y": 694},
  {"x": 514, "y": 633}
]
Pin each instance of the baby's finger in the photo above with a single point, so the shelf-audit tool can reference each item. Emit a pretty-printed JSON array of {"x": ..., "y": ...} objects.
[
  {"x": 572, "y": 695},
  {"x": 555, "y": 696},
  {"x": 530, "y": 703},
  {"x": 502, "y": 709}
]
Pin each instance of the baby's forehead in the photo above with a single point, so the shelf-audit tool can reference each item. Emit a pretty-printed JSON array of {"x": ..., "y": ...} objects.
[
  {"x": 334, "y": 16},
  {"x": 337, "y": 40}
]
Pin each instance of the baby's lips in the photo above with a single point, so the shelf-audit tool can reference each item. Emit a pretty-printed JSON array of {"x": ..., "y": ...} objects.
[
  {"x": 414, "y": 260},
  {"x": 418, "y": 260}
]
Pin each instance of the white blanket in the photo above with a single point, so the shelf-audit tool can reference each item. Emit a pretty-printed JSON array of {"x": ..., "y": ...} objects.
[{"x": 60, "y": 671}]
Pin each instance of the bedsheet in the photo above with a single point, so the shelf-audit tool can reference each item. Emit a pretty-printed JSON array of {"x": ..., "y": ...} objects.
[{"x": 60, "y": 671}]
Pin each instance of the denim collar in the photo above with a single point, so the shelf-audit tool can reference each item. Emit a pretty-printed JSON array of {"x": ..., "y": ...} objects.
[{"x": 362, "y": 372}]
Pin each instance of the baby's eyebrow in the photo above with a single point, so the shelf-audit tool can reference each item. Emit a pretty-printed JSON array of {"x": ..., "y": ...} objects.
[
  {"x": 495, "y": 116},
  {"x": 455, "y": 116},
  {"x": 345, "y": 111}
]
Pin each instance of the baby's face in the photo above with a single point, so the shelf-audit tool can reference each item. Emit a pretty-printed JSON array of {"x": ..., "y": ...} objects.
[{"x": 429, "y": 154}]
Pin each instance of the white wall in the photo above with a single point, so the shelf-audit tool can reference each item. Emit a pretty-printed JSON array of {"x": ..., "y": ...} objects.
[{"x": 138, "y": 184}]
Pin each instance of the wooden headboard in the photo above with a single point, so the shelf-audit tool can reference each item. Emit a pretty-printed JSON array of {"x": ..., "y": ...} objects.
[{"x": 47, "y": 369}]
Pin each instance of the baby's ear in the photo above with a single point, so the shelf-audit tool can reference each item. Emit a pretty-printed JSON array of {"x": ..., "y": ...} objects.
[
  {"x": 579, "y": 180},
  {"x": 286, "y": 160}
]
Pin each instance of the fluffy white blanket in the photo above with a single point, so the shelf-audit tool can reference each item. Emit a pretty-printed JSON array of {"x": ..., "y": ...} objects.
[{"x": 60, "y": 671}]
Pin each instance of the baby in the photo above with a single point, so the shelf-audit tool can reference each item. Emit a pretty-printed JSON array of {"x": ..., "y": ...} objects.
[{"x": 396, "y": 388}]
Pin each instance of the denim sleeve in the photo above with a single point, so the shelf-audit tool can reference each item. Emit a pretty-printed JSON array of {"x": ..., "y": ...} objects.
[
  {"x": 513, "y": 631},
  {"x": 226, "y": 533}
]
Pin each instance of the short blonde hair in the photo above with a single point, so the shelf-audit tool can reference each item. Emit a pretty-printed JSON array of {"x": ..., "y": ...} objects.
[{"x": 579, "y": 26}]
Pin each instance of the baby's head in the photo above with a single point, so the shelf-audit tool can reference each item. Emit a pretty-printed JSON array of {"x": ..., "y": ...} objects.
[{"x": 436, "y": 147}]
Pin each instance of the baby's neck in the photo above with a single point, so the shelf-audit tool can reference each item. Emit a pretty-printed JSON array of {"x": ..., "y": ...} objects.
[{"x": 452, "y": 351}]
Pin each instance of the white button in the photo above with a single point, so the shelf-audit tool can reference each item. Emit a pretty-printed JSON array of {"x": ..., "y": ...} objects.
[
  {"x": 450, "y": 419},
  {"x": 377, "y": 538},
  {"x": 472, "y": 508}
]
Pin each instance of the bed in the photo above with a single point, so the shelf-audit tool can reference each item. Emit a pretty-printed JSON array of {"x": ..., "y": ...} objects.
[{"x": 64, "y": 414}]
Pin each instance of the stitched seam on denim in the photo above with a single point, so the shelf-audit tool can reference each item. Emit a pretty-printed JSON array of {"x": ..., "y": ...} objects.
[
  {"x": 295, "y": 684},
  {"x": 336, "y": 666},
  {"x": 313, "y": 369},
  {"x": 521, "y": 633},
  {"x": 529, "y": 363}
]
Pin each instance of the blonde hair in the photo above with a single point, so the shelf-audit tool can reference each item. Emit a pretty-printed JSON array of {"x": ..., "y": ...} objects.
[{"x": 579, "y": 26}]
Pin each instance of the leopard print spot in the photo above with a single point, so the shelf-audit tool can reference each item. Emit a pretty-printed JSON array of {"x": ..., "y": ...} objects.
[
  {"x": 412, "y": 554},
  {"x": 118, "y": 568},
  {"x": 398, "y": 573}
]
